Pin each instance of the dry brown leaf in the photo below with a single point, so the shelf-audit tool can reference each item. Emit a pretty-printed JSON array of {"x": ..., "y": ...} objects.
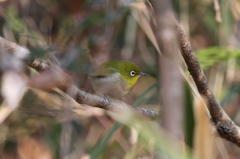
[
  {"x": 143, "y": 14},
  {"x": 203, "y": 137},
  {"x": 32, "y": 147}
]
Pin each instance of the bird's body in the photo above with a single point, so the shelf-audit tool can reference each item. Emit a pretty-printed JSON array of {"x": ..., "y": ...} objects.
[
  {"x": 115, "y": 78},
  {"x": 110, "y": 85}
]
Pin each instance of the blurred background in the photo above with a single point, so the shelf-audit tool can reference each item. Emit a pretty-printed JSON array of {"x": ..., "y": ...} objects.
[{"x": 78, "y": 35}]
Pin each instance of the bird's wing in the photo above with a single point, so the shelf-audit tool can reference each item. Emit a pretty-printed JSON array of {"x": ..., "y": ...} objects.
[{"x": 102, "y": 72}]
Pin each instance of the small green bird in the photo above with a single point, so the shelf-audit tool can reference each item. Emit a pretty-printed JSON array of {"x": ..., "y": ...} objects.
[{"x": 115, "y": 78}]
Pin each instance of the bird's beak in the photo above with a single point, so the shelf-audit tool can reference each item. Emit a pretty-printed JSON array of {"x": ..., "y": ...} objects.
[{"x": 143, "y": 74}]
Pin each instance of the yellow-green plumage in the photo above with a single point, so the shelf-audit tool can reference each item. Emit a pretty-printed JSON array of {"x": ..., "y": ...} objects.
[{"x": 115, "y": 78}]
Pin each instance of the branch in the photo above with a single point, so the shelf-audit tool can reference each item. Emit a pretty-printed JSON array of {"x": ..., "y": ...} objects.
[
  {"x": 168, "y": 64},
  {"x": 64, "y": 82},
  {"x": 224, "y": 125}
]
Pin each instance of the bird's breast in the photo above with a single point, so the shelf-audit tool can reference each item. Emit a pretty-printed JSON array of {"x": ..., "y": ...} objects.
[{"x": 111, "y": 85}]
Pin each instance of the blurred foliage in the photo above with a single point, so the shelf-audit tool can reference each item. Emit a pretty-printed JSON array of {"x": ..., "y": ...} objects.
[
  {"x": 97, "y": 151},
  {"x": 144, "y": 96},
  {"x": 231, "y": 93},
  {"x": 77, "y": 36},
  {"x": 212, "y": 55}
]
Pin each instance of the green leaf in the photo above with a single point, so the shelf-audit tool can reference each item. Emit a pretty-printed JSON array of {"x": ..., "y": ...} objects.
[
  {"x": 188, "y": 117},
  {"x": 99, "y": 148},
  {"x": 212, "y": 55}
]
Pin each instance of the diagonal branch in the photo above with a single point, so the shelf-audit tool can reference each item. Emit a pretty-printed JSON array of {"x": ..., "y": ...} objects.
[
  {"x": 224, "y": 125},
  {"x": 64, "y": 82}
]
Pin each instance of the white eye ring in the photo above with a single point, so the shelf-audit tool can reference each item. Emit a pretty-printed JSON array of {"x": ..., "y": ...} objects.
[{"x": 132, "y": 73}]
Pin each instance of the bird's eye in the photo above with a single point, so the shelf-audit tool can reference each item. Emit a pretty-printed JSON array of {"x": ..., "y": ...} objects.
[{"x": 132, "y": 73}]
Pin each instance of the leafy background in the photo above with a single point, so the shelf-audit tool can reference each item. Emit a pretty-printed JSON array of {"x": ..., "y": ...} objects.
[{"x": 79, "y": 35}]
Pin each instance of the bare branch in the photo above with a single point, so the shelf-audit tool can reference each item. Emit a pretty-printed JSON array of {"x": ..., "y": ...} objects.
[
  {"x": 64, "y": 83},
  {"x": 224, "y": 125}
]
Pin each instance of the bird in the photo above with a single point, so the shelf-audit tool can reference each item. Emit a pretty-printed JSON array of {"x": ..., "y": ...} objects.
[{"x": 115, "y": 79}]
